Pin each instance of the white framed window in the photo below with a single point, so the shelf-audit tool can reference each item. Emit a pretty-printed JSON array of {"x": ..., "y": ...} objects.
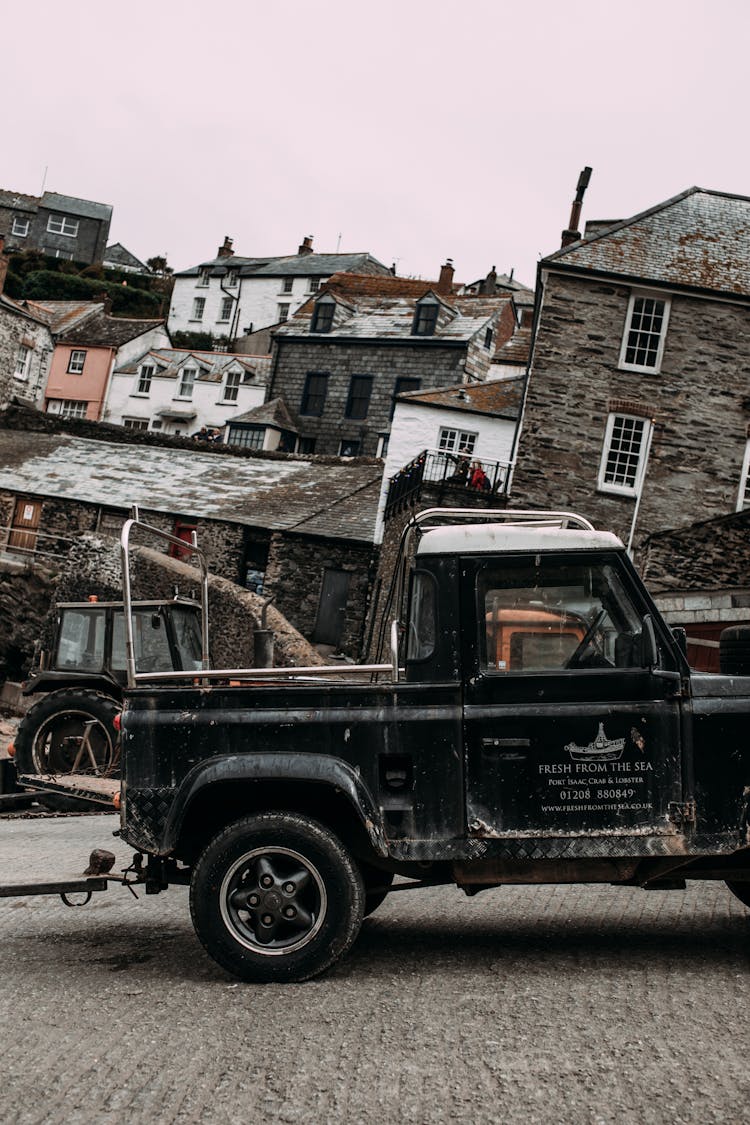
[
  {"x": 23, "y": 362},
  {"x": 456, "y": 441},
  {"x": 54, "y": 252},
  {"x": 247, "y": 437},
  {"x": 67, "y": 408},
  {"x": 232, "y": 386},
  {"x": 626, "y": 443},
  {"x": 20, "y": 227},
  {"x": 135, "y": 423},
  {"x": 145, "y": 376},
  {"x": 313, "y": 284},
  {"x": 287, "y": 285},
  {"x": 187, "y": 380},
  {"x": 76, "y": 362},
  {"x": 743, "y": 496},
  {"x": 226, "y": 308},
  {"x": 199, "y": 304},
  {"x": 61, "y": 224},
  {"x": 282, "y": 313},
  {"x": 645, "y": 332},
  {"x": 204, "y": 277},
  {"x": 231, "y": 279}
]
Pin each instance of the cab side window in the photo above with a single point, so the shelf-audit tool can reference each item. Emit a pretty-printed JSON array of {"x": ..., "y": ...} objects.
[
  {"x": 422, "y": 631},
  {"x": 549, "y": 616}
]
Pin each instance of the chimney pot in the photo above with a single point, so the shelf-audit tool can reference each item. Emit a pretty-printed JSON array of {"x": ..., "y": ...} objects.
[
  {"x": 572, "y": 234},
  {"x": 306, "y": 245}
]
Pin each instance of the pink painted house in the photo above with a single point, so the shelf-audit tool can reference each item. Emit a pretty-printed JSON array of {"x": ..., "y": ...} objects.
[{"x": 89, "y": 344}]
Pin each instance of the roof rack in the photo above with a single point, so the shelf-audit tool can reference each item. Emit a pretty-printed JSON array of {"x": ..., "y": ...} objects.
[{"x": 516, "y": 517}]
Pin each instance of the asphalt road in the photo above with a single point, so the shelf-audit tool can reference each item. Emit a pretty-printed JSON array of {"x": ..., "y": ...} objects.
[{"x": 560, "y": 1005}]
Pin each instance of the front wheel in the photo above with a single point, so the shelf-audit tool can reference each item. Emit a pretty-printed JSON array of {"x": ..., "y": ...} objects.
[{"x": 276, "y": 897}]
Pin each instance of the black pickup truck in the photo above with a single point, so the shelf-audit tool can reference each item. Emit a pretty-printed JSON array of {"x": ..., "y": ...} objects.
[{"x": 538, "y": 723}]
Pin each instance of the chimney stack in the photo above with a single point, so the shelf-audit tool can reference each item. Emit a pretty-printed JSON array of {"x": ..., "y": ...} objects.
[
  {"x": 4, "y": 259},
  {"x": 445, "y": 281},
  {"x": 226, "y": 250},
  {"x": 487, "y": 288},
  {"x": 306, "y": 247},
  {"x": 106, "y": 300},
  {"x": 572, "y": 234}
]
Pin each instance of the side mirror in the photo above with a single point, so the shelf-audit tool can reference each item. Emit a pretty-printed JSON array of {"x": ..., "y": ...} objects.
[
  {"x": 680, "y": 636},
  {"x": 649, "y": 647}
]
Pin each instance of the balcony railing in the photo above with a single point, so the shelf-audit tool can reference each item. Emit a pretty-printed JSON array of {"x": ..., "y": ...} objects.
[{"x": 452, "y": 470}]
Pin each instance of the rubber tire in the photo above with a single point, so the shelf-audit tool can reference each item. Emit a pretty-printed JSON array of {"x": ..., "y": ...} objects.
[
  {"x": 374, "y": 877},
  {"x": 740, "y": 891},
  {"x": 94, "y": 703},
  {"x": 341, "y": 877},
  {"x": 734, "y": 651}
]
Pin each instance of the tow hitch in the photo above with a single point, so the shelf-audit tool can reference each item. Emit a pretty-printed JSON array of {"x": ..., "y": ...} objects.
[{"x": 96, "y": 877}]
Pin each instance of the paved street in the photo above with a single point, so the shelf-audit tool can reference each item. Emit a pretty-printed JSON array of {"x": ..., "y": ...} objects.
[{"x": 522, "y": 1005}]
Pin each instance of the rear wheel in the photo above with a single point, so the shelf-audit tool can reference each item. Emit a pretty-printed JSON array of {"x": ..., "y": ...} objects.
[
  {"x": 68, "y": 732},
  {"x": 276, "y": 897}
]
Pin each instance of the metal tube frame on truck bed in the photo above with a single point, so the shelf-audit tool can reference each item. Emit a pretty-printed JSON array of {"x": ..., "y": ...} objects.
[{"x": 206, "y": 673}]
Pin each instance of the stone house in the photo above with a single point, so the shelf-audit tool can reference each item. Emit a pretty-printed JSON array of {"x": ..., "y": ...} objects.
[
  {"x": 61, "y": 226},
  {"x": 341, "y": 362},
  {"x": 233, "y": 296},
  {"x": 179, "y": 391},
  {"x": 637, "y": 405},
  {"x": 118, "y": 257},
  {"x": 26, "y": 345},
  {"x": 299, "y": 530}
]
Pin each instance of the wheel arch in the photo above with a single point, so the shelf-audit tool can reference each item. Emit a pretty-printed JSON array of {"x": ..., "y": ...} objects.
[{"x": 224, "y": 789}]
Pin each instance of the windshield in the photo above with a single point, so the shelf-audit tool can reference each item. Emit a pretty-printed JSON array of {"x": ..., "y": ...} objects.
[
  {"x": 152, "y": 652},
  {"x": 187, "y": 634},
  {"x": 81, "y": 641}
]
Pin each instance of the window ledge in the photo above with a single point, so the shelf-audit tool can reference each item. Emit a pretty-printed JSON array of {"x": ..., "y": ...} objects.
[
  {"x": 139, "y": 394},
  {"x": 637, "y": 367},
  {"x": 21, "y": 378},
  {"x": 613, "y": 490},
  {"x": 224, "y": 321},
  {"x": 194, "y": 321}
]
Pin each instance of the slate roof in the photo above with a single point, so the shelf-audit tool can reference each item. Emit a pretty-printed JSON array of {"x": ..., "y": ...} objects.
[
  {"x": 17, "y": 201},
  {"x": 384, "y": 314},
  {"x": 515, "y": 351},
  {"x": 290, "y": 265},
  {"x": 102, "y": 331},
  {"x": 331, "y": 498},
  {"x": 708, "y": 555},
  {"x": 699, "y": 239},
  {"x": 19, "y": 309},
  {"x": 498, "y": 398},
  {"x": 273, "y": 413},
  {"x": 61, "y": 316},
  {"x": 72, "y": 205},
  {"x": 211, "y": 365},
  {"x": 119, "y": 255}
]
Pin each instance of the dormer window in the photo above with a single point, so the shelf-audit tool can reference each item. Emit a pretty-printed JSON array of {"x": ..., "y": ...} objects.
[
  {"x": 187, "y": 379},
  {"x": 204, "y": 276},
  {"x": 425, "y": 317},
  {"x": 322, "y": 320},
  {"x": 231, "y": 279}
]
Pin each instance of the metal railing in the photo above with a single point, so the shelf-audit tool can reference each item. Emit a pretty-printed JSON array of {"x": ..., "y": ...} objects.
[
  {"x": 31, "y": 544},
  {"x": 452, "y": 470}
]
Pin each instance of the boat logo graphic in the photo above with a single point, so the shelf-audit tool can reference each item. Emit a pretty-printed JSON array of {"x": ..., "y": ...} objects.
[{"x": 602, "y": 749}]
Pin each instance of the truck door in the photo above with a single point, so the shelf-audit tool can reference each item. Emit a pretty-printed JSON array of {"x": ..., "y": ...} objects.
[{"x": 566, "y": 733}]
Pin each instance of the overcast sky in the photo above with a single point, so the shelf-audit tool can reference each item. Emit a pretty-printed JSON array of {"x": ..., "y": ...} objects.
[{"x": 415, "y": 129}]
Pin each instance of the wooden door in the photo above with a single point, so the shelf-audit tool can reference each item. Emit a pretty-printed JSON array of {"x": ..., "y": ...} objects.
[
  {"x": 329, "y": 626},
  {"x": 25, "y": 525}
]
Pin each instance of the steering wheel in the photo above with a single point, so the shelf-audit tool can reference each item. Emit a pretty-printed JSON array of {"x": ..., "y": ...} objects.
[{"x": 586, "y": 639}]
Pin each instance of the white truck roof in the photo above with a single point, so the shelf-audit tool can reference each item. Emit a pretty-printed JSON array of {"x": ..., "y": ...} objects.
[{"x": 497, "y": 538}]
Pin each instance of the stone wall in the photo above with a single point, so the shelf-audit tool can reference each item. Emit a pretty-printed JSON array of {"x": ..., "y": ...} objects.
[
  {"x": 435, "y": 366},
  {"x": 93, "y": 567},
  {"x": 699, "y": 401},
  {"x": 295, "y": 574}
]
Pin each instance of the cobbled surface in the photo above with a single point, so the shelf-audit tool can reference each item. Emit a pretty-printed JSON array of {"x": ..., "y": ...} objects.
[{"x": 532, "y": 1005}]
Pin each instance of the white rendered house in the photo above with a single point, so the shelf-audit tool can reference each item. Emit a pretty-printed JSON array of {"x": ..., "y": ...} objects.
[{"x": 178, "y": 392}]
